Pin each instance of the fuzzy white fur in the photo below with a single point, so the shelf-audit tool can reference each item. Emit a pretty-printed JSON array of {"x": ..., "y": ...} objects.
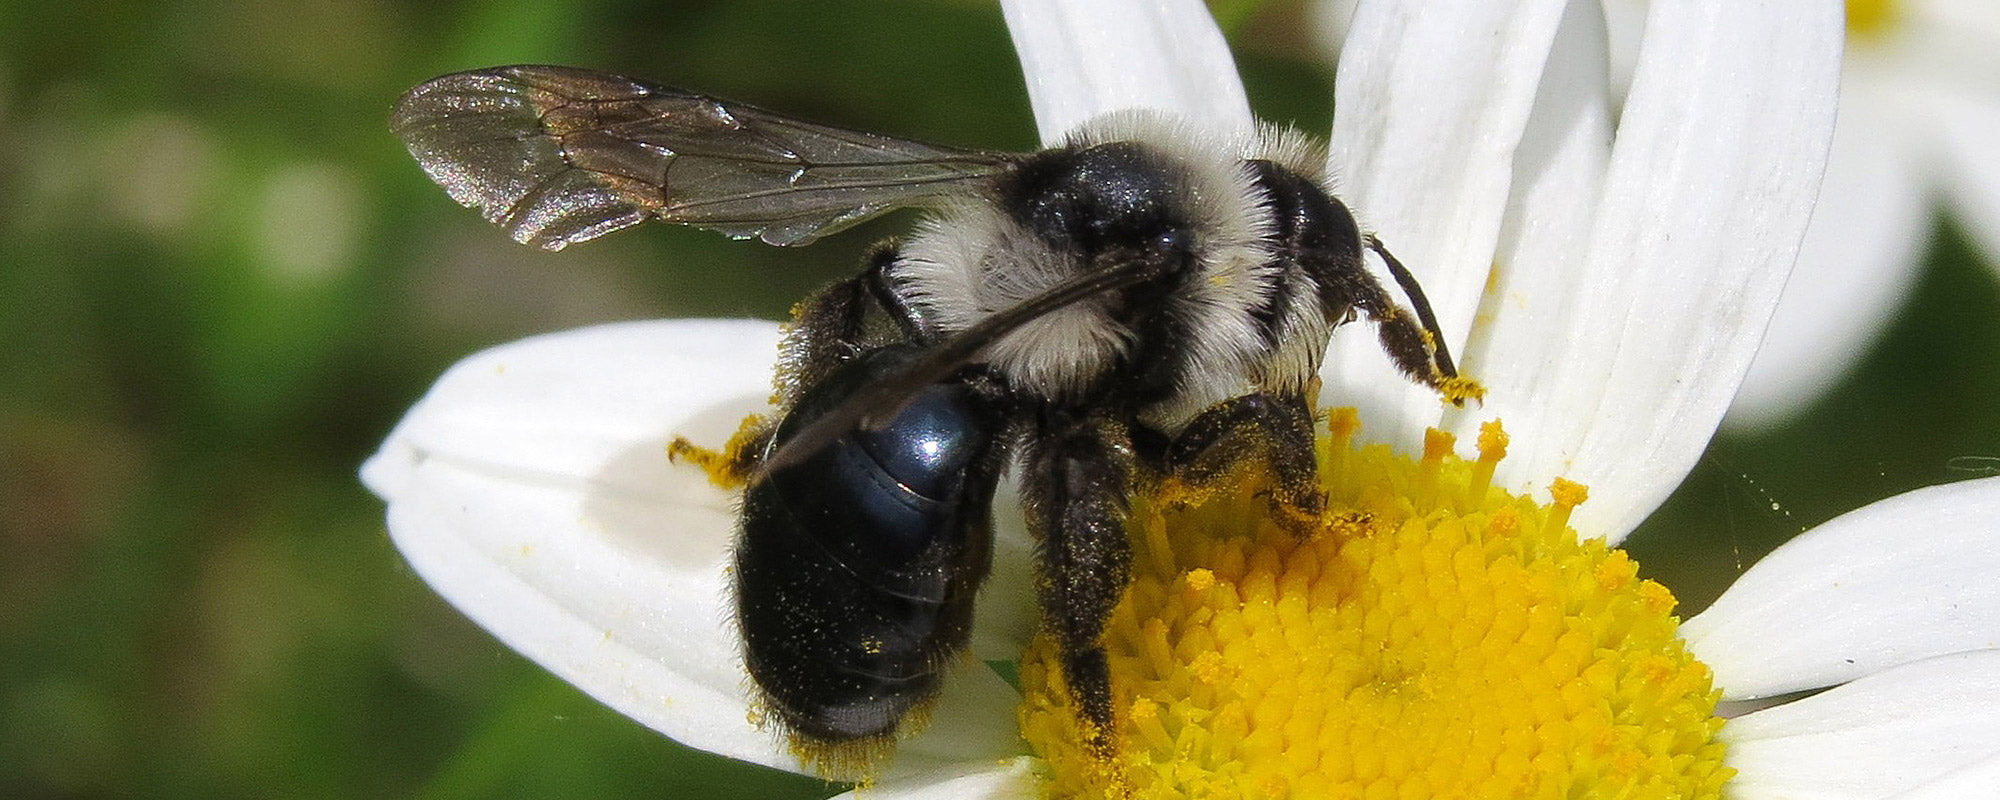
[{"x": 970, "y": 260}]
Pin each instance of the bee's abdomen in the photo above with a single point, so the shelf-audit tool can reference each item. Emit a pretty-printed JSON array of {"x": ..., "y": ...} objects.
[{"x": 857, "y": 565}]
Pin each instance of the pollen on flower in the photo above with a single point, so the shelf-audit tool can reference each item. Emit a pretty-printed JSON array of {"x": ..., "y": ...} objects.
[
  {"x": 1437, "y": 445},
  {"x": 1492, "y": 442},
  {"x": 1436, "y": 637},
  {"x": 1568, "y": 493}
]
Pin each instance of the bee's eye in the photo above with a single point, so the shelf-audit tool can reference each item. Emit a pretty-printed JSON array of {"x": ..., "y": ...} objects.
[{"x": 1173, "y": 240}]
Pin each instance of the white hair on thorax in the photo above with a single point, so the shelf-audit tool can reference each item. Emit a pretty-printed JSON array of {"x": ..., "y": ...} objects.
[{"x": 970, "y": 259}]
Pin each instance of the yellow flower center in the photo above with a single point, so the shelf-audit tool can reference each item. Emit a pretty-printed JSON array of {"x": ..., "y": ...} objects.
[
  {"x": 1872, "y": 19},
  {"x": 1436, "y": 637}
]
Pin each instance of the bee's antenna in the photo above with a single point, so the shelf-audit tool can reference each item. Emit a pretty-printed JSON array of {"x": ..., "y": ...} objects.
[{"x": 1440, "y": 353}]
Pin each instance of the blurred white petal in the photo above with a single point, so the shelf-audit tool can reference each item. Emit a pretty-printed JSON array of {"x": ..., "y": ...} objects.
[
  {"x": 1886, "y": 733},
  {"x": 1968, "y": 128},
  {"x": 1895, "y": 581},
  {"x": 1431, "y": 102},
  {"x": 532, "y": 490},
  {"x": 1711, "y": 180},
  {"x": 1084, "y": 59},
  {"x": 1941, "y": 43},
  {"x": 1856, "y": 267},
  {"x": 1911, "y": 133},
  {"x": 1328, "y": 26},
  {"x": 982, "y": 779}
]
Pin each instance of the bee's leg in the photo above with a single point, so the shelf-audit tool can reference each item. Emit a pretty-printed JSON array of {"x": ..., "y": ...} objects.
[
  {"x": 731, "y": 466},
  {"x": 1077, "y": 472},
  {"x": 882, "y": 288},
  {"x": 1276, "y": 430},
  {"x": 830, "y": 327}
]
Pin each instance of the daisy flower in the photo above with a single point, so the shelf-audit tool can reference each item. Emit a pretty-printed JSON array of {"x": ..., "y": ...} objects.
[
  {"x": 1605, "y": 270},
  {"x": 1919, "y": 113}
]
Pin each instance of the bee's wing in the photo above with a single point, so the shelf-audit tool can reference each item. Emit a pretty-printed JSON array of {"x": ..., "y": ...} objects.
[
  {"x": 559, "y": 155},
  {"x": 881, "y": 399}
]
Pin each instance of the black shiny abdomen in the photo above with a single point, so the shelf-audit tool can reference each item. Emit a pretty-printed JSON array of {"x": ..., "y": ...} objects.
[{"x": 857, "y": 565}]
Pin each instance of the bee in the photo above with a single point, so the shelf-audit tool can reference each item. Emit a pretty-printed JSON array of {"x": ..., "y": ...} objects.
[{"x": 1148, "y": 297}]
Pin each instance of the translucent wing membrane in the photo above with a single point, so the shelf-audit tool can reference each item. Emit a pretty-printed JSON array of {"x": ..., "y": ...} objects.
[{"x": 559, "y": 156}]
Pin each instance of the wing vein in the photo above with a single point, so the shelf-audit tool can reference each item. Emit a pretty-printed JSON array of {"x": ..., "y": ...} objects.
[{"x": 563, "y": 155}]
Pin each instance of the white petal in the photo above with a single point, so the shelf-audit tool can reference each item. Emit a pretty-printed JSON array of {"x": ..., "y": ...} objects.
[
  {"x": 1532, "y": 286},
  {"x": 1978, "y": 780},
  {"x": 531, "y": 489},
  {"x": 1624, "y": 23},
  {"x": 1858, "y": 262},
  {"x": 1430, "y": 103},
  {"x": 1084, "y": 59},
  {"x": 1711, "y": 180},
  {"x": 1010, "y": 779},
  {"x": 973, "y": 721},
  {"x": 1896, "y": 581},
  {"x": 1886, "y": 733},
  {"x": 1007, "y": 616},
  {"x": 561, "y": 406}
]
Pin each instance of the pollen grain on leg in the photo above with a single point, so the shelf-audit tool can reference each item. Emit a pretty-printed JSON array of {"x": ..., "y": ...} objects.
[
  {"x": 1455, "y": 391},
  {"x": 1436, "y": 637},
  {"x": 725, "y": 467}
]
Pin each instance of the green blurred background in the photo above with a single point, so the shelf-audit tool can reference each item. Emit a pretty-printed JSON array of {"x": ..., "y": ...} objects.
[{"x": 222, "y": 281}]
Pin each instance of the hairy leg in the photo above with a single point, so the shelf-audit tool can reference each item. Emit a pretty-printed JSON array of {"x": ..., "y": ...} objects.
[
  {"x": 1078, "y": 471},
  {"x": 1275, "y": 430}
]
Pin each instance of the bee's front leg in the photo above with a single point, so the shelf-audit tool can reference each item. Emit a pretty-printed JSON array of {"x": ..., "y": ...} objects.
[{"x": 1274, "y": 429}]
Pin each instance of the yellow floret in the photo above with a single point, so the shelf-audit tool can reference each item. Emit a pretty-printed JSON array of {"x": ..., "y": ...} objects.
[{"x": 1435, "y": 638}]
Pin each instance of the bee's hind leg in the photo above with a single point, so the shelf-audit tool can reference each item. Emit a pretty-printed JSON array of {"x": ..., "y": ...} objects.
[
  {"x": 838, "y": 323},
  {"x": 1274, "y": 430},
  {"x": 829, "y": 328}
]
